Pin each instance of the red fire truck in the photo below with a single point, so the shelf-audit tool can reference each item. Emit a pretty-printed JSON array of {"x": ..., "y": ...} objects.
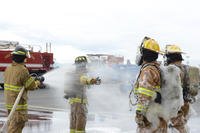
[{"x": 39, "y": 62}]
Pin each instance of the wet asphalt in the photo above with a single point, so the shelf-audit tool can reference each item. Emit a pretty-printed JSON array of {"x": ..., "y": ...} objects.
[{"x": 49, "y": 113}]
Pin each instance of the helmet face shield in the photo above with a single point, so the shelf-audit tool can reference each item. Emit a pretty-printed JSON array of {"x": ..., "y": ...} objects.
[
  {"x": 138, "y": 59},
  {"x": 81, "y": 65}
]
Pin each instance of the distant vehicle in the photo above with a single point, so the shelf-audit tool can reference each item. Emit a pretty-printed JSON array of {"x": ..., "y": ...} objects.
[
  {"x": 122, "y": 74},
  {"x": 39, "y": 63},
  {"x": 106, "y": 59},
  {"x": 127, "y": 77}
]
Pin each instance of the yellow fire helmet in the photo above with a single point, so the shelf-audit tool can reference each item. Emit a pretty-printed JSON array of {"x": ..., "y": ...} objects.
[
  {"x": 172, "y": 49},
  {"x": 152, "y": 45},
  {"x": 20, "y": 50},
  {"x": 80, "y": 59}
]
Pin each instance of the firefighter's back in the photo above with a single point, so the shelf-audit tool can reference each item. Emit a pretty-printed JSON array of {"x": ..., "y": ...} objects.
[{"x": 14, "y": 78}]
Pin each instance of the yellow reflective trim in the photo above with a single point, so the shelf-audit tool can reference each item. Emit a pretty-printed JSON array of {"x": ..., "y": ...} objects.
[
  {"x": 157, "y": 87},
  {"x": 80, "y": 131},
  {"x": 145, "y": 91},
  {"x": 72, "y": 130},
  {"x": 19, "y": 52},
  {"x": 135, "y": 90},
  {"x": 29, "y": 82},
  {"x": 19, "y": 106},
  {"x": 77, "y": 100},
  {"x": 12, "y": 87},
  {"x": 141, "y": 108}
]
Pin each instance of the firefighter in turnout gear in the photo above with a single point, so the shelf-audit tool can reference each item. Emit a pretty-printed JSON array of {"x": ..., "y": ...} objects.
[
  {"x": 147, "y": 86},
  {"x": 77, "y": 95},
  {"x": 173, "y": 55},
  {"x": 16, "y": 76}
]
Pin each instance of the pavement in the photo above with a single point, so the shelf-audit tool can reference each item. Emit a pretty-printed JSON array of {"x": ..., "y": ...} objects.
[{"x": 49, "y": 113}]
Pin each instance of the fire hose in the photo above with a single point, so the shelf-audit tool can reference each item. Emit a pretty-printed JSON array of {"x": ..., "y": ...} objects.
[{"x": 12, "y": 110}]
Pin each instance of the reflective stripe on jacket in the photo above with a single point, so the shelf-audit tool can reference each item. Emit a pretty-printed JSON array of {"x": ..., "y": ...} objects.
[
  {"x": 19, "y": 106},
  {"x": 76, "y": 131},
  {"x": 77, "y": 100},
  {"x": 80, "y": 131},
  {"x": 12, "y": 87},
  {"x": 147, "y": 92}
]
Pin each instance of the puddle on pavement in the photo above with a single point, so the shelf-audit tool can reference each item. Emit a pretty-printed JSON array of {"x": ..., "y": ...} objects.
[
  {"x": 36, "y": 118},
  {"x": 58, "y": 122}
]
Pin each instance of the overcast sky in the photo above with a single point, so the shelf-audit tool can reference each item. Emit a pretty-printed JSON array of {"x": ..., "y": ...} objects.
[{"x": 76, "y": 27}]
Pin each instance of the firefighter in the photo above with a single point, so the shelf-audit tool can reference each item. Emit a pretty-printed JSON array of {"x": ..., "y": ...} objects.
[
  {"x": 17, "y": 76},
  {"x": 147, "y": 86},
  {"x": 174, "y": 56},
  {"x": 77, "y": 95}
]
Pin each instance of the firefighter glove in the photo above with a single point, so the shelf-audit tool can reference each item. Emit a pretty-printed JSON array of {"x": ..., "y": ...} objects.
[
  {"x": 96, "y": 81},
  {"x": 158, "y": 98},
  {"x": 37, "y": 83},
  {"x": 40, "y": 78}
]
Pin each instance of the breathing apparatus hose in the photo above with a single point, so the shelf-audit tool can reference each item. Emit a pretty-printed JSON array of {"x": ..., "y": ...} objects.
[{"x": 131, "y": 104}]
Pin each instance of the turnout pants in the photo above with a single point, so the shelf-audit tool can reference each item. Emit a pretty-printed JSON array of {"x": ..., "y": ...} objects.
[
  {"x": 17, "y": 122},
  {"x": 179, "y": 122},
  {"x": 78, "y": 118},
  {"x": 146, "y": 127}
]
